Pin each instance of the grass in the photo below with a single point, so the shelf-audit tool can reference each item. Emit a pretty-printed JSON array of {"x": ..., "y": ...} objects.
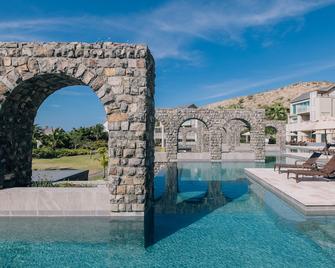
[{"x": 83, "y": 162}]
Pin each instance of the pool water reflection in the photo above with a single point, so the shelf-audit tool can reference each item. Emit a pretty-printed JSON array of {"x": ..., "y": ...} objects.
[{"x": 205, "y": 215}]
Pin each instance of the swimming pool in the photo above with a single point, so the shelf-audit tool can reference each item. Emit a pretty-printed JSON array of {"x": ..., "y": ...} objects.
[{"x": 206, "y": 215}]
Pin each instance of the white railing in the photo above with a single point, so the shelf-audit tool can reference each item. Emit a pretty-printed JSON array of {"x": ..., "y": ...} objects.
[{"x": 302, "y": 109}]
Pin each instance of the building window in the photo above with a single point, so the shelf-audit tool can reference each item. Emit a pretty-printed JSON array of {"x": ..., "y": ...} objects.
[{"x": 300, "y": 107}]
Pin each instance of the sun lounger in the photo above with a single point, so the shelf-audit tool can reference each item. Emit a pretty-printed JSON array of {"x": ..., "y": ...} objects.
[
  {"x": 327, "y": 171},
  {"x": 325, "y": 150},
  {"x": 309, "y": 163}
]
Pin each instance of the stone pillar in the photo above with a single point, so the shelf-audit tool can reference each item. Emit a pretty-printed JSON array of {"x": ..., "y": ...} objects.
[
  {"x": 215, "y": 144},
  {"x": 171, "y": 143},
  {"x": 257, "y": 141},
  {"x": 280, "y": 138}
]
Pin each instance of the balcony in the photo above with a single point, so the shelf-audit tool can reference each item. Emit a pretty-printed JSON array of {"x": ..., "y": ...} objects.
[{"x": 302, "y": 109}]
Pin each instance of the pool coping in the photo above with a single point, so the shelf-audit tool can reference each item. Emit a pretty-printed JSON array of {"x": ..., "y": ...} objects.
[
  {"x": 60, "y": 202},
  {"x": 307, "y": 210}
]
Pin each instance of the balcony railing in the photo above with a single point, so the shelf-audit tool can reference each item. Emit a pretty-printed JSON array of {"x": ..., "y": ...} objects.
[{"x": 302, "y": 109}]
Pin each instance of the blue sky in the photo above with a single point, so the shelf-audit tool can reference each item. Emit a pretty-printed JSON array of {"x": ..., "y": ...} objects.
[{"x": 205, "y": 51}]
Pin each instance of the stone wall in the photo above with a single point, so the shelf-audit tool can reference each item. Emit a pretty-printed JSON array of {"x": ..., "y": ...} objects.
[
  {"x": 221, "y": 125},
  {"x": 121, "y": 75}
]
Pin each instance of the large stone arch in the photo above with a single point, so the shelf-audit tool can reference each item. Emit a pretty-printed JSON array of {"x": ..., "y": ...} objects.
[
  {"x": 121, "y": 75},
  {"x": 172, "y": 119},
  {"x": 254, "y": 119},
  {"x": 202, "y": 135},
  {"x": 280, "y": 126},
  {"x": 235, "y": 127}
]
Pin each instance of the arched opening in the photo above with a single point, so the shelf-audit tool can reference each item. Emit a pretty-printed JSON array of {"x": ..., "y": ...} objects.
[
  {"x": 70, "y": 141},
  {"x": 193, "y": 137},
  {"x": 17, "y": 115},
  {"x": 270, "y": 135},
  {"x": 225, "y": 141},
  {"x": 240, "y": 135}
]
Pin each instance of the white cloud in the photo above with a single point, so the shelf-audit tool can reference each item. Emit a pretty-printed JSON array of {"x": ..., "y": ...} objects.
[
  {"x": 171, "y": 28},
  {"x": 240, "y": 85}
]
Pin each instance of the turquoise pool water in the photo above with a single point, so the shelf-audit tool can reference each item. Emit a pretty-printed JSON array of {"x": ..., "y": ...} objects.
[{"x": 206, "y": 215}]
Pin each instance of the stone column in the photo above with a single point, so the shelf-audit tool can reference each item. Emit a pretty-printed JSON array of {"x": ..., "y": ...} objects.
[
  {"x": 257, "y": 141},
  {"x": 171, "y": 143},
  {"x": 215, "y": 144}
]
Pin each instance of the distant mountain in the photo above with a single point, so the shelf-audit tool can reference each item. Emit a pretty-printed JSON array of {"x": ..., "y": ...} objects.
[{"x": 282, "y": 95}]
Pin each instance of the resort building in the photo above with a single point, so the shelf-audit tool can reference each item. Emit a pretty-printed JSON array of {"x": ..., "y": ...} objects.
[{"x": 312, "y": 117}]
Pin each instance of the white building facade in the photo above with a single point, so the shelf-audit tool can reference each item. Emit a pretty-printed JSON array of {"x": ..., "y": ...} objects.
[{"x": 312, "y": 117}]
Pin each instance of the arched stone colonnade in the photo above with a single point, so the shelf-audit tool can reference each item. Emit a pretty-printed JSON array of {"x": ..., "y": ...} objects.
[{"x": 222, "y": 127}]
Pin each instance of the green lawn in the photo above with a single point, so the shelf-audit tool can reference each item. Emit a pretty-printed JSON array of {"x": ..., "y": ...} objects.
[{"x": 76, "y": 162}]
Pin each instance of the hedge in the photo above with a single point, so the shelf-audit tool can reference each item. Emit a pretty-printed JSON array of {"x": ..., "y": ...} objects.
[{"x": 56, "y": 153}]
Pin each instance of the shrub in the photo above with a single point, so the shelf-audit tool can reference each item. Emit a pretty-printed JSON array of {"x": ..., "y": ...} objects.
[
  {"x": 48, "y": 153},
  {"x": 44, "y": 153}
]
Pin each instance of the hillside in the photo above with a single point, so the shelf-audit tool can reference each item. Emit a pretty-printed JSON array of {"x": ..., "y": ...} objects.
[{"x": 282, "y": 95}]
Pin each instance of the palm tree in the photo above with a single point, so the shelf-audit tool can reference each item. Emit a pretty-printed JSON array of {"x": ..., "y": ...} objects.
[
  {"x": 98, "y": 132},
  {"x": 276, "y": 112},
  {"x": 58, "y": 138},
  {"x": 37, "y": 136},
  {"x": 103, "y": 159},
  {"x": 76, "y": 137}
]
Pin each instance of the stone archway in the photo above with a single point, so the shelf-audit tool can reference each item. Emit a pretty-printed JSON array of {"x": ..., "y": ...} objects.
[
  {"x": 193, "y": 128},
  {"x": 280, "y": 127},
  {"x": 254, "y": 121},
  {"x": 121, "y": 75}
]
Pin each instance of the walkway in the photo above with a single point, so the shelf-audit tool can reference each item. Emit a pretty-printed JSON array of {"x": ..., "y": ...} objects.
[{"x": 313, "y": 197}]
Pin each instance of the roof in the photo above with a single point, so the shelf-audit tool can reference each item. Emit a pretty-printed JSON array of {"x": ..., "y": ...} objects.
[
  {"x": 326, "y": 89},
  {"x": 304, "y": 96},
  {"x": 321, "y": 90},
  {"x": 193, "y": 106}
]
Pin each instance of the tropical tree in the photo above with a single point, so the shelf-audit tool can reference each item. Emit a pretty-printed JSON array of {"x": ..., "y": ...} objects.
[
  {"x": 276, "y": 111},
  {"x": 58, "y": 139},
  {"x": 76, "y": 137},
  {"x": 98, "y": 132},
  {"x": 38, "y": 135},
  {"x": 103, "y": 159}
]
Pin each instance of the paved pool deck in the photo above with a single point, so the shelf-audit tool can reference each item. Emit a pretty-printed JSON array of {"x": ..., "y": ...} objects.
[{"x": 310, "y": 197}]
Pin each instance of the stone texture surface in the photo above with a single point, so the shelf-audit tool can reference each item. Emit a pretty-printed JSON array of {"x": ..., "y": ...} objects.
[
  {"x": 222, "y": 127},
  {"x": 121, "y": 75}
]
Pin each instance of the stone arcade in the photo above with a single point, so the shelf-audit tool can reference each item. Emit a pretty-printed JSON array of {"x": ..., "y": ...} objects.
[
  {"x": 121, "y": 75},
  {"x": 223, "y": 126}
]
